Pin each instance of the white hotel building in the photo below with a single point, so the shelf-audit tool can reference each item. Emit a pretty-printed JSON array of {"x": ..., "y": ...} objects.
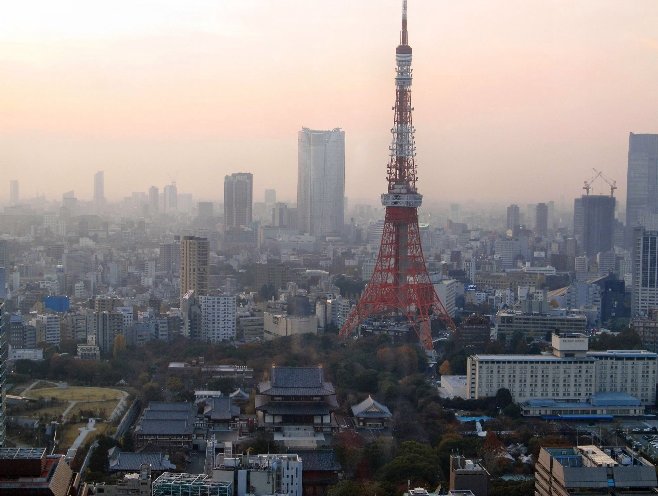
[{"x": 570, "y": 374}]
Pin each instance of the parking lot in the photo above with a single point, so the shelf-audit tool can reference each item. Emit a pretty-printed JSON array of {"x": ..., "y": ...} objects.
[{"x": 641, "y": 436}]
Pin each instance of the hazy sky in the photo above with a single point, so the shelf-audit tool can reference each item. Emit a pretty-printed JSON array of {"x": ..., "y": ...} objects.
[{"x": 516, "y": 100}]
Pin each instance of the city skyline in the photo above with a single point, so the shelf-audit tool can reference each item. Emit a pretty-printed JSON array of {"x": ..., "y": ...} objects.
[{"x": 541, "y": 90}]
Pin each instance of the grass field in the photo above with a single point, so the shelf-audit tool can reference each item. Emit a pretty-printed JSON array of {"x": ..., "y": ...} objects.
[
  {"x": 68, "y": 433},
  {"x": 76, "y": 393},
  {"x": 100, "y": 408},
  {"x": 101, "y": 401}
]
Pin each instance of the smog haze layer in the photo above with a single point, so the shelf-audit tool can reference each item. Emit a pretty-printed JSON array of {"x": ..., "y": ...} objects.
[{"x": 508, "y": 94}]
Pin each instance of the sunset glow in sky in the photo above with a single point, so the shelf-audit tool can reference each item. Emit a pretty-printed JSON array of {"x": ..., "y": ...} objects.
[{"x": 515, "y": 100}]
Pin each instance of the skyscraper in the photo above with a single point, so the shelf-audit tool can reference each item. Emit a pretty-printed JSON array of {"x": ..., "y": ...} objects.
[
  {"x": 642, "y": 179},
  {"x": 270, "y": 197},
  {"x": 644, "y": 293},
  {"x": 594, "y": 218},
  {"x": 238, "y": 200},
  {"x": 14, "y": 195},
  {"x": 513, "y": 218},
  {"x": 99, "y": 188},
  {"x": 541, "y": 219},
  {"x": 154, "y": 200},
  {"x": 321, "y": 181},
  {"x": 170, "y": 198},
  {"x": 194, "y": 265}
]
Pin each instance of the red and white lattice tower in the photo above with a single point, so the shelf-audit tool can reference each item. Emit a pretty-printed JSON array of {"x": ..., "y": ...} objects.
[{"x": 400, "y": 284}]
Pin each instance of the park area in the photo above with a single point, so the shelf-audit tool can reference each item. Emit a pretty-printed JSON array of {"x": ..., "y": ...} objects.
[{"x": 71, "y": 407}]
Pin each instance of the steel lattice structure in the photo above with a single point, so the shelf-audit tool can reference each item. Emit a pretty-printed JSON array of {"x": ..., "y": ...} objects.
[{"x": 400, "y": 284}]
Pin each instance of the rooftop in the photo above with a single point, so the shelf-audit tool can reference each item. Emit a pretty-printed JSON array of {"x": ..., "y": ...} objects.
[
  {"x": 597, "y": 399},
  {"x": 121, "y": 461},
  {"x": 371, "y": 408},
  {"x": 296, "y": 381},
  {"x": 22, "y": 453},
  {"x": 531, "y": 358}
]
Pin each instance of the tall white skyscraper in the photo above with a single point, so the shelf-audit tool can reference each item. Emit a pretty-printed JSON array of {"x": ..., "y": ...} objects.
[
  {"x": 99, "y": 188},
  {"x": 238, "y": 200},
  {"x": 642, "y": 181},
  {"x": 170, "y": 198},
  {"x": 644, "y": 293},
  {"x": 14, "y": 194},
  {"x": 321, "y": 181}
]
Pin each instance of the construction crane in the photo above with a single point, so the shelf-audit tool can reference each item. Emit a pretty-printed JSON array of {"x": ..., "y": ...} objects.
[
  {"x": 597, "y": 173},
  {"x": 610, "y": 182},
  {"x": 588, "y": 184}
]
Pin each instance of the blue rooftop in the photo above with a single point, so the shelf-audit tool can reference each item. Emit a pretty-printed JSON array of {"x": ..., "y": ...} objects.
[{"x": 598, "y": 399}]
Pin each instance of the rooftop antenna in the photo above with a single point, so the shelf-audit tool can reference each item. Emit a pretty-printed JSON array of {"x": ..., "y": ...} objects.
[{"x": 404, "y": 36}]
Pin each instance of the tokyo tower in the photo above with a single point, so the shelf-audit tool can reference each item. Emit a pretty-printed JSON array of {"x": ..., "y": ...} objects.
[{"x": 400, "y": 284}]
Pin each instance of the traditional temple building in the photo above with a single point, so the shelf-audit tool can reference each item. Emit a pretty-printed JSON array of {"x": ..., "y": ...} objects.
[
  {"x": 296, "y": 396},
  {"x": 371, "y": 414}
]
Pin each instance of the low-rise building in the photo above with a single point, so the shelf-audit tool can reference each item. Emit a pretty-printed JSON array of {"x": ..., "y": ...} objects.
[
  {"x": 591, "y": 470},
  {"x": 29, "y": 471},
  {"x": 276, "y": 325},
  {"x": 89, "y": 352},
  {"x": 470, "y": 475},
  {"x": 536, "y": 325},
  {"x": 132, "y": 484},
  {"x": 128, "y": 462},
  {"x": 169, "y": 484},
  {"x": 271, "y": 474},
  {"x": 35, "y": 354},
  {"x": 599, "y": 405}
]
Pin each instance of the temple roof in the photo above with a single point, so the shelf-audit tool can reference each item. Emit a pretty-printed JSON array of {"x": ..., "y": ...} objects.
[
  {"x": 296, "y": 381},
  {"x": 371, "y": 409}
]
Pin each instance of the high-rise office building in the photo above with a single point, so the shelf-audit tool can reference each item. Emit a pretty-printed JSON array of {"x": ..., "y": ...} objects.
[
  {"x": 154, "y": 200},
  {"x": 642, "y": 179},
  {"x": 321, "y": 181},
  {"x": 513, "y": 218},
  {"x": 541, "y": 219},
  {"x": 170, "y": 198},
  {"x": 280, "y": 215},
  {"x": 238, "y": 200},
  {"x": 108, "y": 326},
  {"x": 14, "y": 194},
  {"x": 205, "y": 210},
  {"x": 194, "y": 265},
  {"x": 594, "y": 220},
  {"x": 99, "y": 188},
  {"x": 644, "y": 293},
  {"x": 270, "y": 197}
]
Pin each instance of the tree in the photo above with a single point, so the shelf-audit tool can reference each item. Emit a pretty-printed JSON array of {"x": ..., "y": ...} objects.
[
  {"x": 445, "y": 368},
  {"x": 119, "y": 345},
  {"x": 415, "y": 462},
  {"x": 267, "y": 292},
  {"x": 174, "y": 384},
  {"x": 152, "y": 392},
  {"x": 503, "y": 398}
]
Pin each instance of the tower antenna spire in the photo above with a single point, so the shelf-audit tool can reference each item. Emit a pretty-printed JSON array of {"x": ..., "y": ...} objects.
[{"x": 404, "y": 36}]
